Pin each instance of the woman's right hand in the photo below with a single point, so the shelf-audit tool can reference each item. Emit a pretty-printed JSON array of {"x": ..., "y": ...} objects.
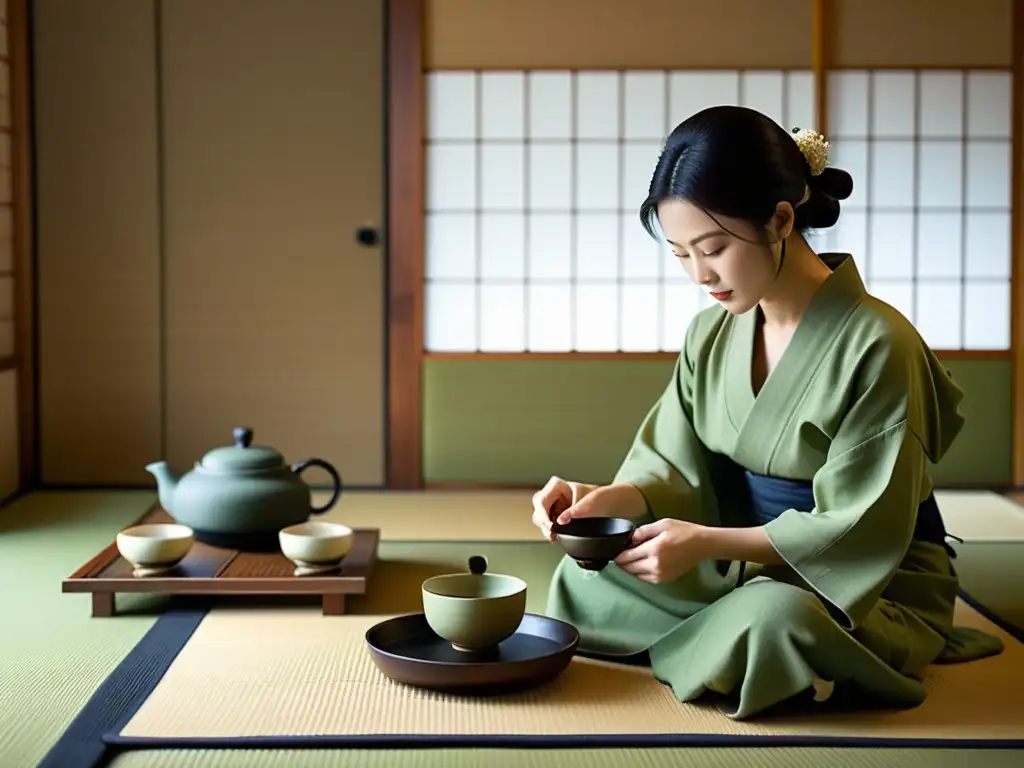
[
  {"x": 565, "y": 499},
  {"x": 555, "y": 497}
]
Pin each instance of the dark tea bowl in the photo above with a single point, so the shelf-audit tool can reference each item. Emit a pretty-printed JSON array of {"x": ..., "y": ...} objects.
[{"x": 593, "y": 542}]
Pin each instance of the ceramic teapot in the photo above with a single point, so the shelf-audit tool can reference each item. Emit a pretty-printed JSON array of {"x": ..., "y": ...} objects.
[{"x": 240, "y": 496}]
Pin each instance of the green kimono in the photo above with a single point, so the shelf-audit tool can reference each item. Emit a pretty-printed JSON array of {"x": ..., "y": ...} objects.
[{"x": 856, "y": 407}]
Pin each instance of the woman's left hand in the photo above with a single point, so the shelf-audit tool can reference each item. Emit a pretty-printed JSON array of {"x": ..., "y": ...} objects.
[{"x": 664, "y": 550}]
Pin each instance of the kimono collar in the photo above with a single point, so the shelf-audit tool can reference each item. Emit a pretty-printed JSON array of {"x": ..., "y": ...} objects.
[
  {"x": 844, "y": 285},
  {"x": 755, "y": 416}
]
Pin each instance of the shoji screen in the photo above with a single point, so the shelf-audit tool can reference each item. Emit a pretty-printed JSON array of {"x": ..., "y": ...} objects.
[
  {"x": 534, "y": 179},
  {"x": 929, "y": 219}
]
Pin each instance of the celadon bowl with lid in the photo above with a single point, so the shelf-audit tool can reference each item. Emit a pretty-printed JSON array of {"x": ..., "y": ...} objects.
[{"x": 240, "y": 496}]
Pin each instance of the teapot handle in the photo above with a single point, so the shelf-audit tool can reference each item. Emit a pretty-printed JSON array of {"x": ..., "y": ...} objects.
[{"x": 305, "y": 464}]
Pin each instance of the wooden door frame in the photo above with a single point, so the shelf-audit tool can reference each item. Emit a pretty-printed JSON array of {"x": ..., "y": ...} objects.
[{"x": 406, "y": 173}]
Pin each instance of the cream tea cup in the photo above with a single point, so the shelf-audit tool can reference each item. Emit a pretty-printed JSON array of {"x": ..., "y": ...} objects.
[
  {"x": 316, "y": 546},
  {"x": 155, "y": 547}
]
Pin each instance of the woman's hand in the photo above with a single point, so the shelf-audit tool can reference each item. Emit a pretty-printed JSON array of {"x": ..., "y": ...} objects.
[
  {"x": 664, "y": 550},
  {"x": 553, "y": 499},
  {"x": 562, "y": 501}
]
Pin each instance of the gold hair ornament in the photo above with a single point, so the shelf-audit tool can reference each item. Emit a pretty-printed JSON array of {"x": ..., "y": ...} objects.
[{"x": 814, "y": 148}]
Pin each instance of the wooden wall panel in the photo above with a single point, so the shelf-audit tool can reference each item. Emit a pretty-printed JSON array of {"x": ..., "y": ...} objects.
[
  {"x": 9, "y": 464},
  {"x": 6, "y": 300},
  {"x": 532, "y": 34},
  {"x": 6, "y": 241},
  {"x": 492, "y": 34},
  {"x": 596, "y": 423},
  {"x": 7, "y": 287},
  {"x": 98, "y": 261},
  {"x": 273, "y": 158},
  {"x": 16, "y": 257},
  {"x": 6, "y": 284},
  {"x": 912, "y": 33}
]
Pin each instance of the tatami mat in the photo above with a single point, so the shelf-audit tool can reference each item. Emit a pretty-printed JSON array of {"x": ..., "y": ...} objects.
[
  {"x": 981, "y": 516},
  {"x": 437, "y": 515},
  {"x": 292, "y": 673},
  {"x": 504, "y": 515},
  {"x": 60, "y": 656}
]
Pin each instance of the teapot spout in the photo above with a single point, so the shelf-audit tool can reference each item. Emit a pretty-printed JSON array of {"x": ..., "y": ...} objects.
[{"x": 166, "y": 482}]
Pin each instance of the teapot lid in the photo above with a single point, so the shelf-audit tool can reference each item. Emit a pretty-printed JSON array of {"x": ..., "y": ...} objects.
[{"x": 243, "y": 456}]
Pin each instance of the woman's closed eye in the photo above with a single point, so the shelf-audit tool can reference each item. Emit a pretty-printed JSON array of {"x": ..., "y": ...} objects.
[{"x": 715, "y": 252}]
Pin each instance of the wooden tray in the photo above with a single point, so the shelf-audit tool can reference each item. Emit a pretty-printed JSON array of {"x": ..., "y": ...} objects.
[{"x": 208, "y": 570}]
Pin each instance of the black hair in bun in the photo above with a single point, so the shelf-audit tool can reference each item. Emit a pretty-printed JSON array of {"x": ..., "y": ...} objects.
[
  {"x": 737, "y": 162},
  {"x": 821, "y": 209}
]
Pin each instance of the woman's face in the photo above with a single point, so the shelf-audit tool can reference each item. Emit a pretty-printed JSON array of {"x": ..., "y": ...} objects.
[{"x": 736, "y": 272}]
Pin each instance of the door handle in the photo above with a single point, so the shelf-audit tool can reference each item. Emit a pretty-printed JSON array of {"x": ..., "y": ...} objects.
[{"x": 368, "y": 236}]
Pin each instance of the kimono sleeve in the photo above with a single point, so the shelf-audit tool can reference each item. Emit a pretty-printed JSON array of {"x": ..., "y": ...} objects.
[
  {"x": 666, "y": 461},
  {"x": 868, "y": 491}
]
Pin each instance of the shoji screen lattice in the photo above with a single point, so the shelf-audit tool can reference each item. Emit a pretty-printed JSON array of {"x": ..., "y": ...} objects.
[
  {"x": 929, "y": 221},
  {"x": 534, "y": 179}
]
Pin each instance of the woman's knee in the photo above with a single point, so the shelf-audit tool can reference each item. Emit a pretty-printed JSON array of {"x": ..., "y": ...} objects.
[{"x": 775, "y": 607}]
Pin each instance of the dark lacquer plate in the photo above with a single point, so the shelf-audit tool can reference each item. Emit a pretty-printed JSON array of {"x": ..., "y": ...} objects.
[{"x": 408, "y": 651}]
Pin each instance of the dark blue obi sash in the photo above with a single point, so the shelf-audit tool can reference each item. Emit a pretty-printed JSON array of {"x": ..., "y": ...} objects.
[{"x": 771, "y": 496}]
